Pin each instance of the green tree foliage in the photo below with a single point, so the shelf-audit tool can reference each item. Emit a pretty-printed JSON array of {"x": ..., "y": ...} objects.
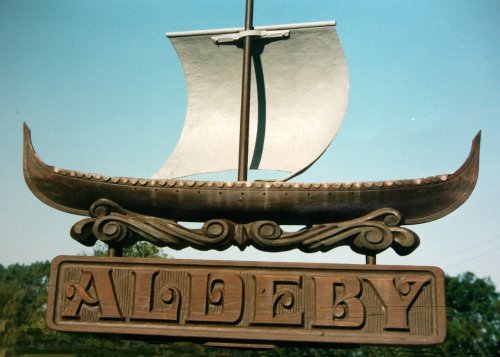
[
  {"x": 473, "y": 312},
  {"x": 138, "y": 250},
  {"x": 22, "y": 300}
]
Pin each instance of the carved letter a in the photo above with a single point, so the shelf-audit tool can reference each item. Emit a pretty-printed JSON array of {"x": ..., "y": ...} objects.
[{"x": 79, "y": 293}]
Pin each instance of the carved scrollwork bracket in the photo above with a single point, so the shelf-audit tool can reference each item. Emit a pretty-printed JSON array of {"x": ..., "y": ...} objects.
[{"x": 368, "y": 235}]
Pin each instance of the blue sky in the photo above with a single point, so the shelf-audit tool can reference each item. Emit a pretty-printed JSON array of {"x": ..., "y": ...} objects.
[{"x": 103, "y": 91}]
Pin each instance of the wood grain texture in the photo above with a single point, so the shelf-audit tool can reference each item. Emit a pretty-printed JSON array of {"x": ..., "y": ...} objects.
[{"x": 248, "y": 302}]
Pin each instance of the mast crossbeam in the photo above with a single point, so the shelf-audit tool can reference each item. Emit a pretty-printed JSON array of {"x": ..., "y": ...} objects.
[{"x": 262, "y": 34}]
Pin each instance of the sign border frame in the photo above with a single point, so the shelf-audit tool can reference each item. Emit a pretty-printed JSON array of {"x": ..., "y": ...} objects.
[{"x": 207, "y": 334}]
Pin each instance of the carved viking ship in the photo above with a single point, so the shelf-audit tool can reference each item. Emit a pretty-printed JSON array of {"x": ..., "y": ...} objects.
[{"x": 299, "y": 96}]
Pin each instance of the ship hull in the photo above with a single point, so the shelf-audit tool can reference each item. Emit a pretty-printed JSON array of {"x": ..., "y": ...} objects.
[{"x": 418, "y": 200}]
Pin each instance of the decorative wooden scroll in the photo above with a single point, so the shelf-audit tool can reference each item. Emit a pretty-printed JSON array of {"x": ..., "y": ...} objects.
[
  {"x": 370, "y": 234},
  {"x": 248, "y": 302}
]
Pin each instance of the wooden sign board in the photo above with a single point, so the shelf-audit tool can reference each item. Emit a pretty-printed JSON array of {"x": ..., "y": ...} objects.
[{"x": 249, "y": 302}]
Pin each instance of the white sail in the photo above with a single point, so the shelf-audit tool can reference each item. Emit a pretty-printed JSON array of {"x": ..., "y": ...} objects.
[{"x": 299, "y": 96}]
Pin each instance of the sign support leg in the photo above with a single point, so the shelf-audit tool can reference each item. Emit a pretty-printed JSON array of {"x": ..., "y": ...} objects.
[
  {"x": 371, "y": 259},
  {"x": 115, "y": 251}
]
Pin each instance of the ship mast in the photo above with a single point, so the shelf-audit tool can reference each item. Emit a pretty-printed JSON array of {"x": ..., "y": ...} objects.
[{"x": 245, "y": 95}]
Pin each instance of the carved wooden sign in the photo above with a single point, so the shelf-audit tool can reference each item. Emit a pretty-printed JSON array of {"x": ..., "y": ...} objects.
[{"x": 248, "y": 301}]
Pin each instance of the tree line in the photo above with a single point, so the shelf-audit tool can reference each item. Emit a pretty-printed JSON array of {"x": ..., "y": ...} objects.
[{"x": 472, "y": 309}]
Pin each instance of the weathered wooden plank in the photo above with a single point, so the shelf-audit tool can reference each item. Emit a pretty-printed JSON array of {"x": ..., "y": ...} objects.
[{"x": 248, "y": 302}]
